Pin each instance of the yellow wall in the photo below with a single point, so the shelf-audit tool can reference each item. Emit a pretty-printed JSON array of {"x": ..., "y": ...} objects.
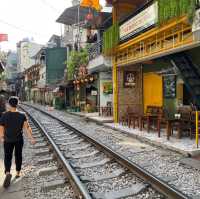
[{"x": 152, "y": 89}]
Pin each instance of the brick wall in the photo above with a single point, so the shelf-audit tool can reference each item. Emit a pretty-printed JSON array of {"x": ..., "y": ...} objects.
[{"x": 130, "y": 97}]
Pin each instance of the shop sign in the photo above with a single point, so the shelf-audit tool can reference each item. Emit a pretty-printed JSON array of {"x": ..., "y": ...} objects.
[
  {"x": 129, "y": 78},
  {"x": 94, "y": 93},
  {"x": 140, "y": 22},
  {"x": 169, "y": 86},
  {"x": 196, "y": 22}
]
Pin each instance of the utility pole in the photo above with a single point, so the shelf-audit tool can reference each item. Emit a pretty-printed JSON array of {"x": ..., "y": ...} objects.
[{"x": 78, "y": 37}]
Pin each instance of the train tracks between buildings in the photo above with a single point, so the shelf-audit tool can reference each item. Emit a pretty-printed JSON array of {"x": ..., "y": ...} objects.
[{"x": 95, "y": 170}]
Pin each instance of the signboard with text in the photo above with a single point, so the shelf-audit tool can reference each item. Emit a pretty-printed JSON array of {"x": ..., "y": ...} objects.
[
  {"x": 140, "y": 22},
  {"x": 129, "y": 79}
]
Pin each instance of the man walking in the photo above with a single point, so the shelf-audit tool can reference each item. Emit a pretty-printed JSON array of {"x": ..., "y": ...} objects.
[{"x": 12, "y": 124}]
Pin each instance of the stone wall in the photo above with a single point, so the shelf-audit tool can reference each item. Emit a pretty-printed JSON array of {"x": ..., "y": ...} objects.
[{"x": 129, "y": 97}]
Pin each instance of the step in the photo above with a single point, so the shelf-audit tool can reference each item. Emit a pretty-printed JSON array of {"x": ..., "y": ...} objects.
[
  {"x": 42, "y": 152},
  {"x": 45, "y": 160},
  {"x": 52, "y": 185},
  {"x": 37, "y": 136},
  {"x": 80, "y": 148},
  {"x": 73, "y": 156},
  {"x": 46, "y": 171},
  {"x": 73, "y": 142},
  {"x": 40, "y": 140},
  {"x": 40, "y": 145},
  {"x": 65, "y": 138},
  {"x": 95, "y": 178},
  {"x": 91, "y": 164},
  {"x": 123, "y": 193}
]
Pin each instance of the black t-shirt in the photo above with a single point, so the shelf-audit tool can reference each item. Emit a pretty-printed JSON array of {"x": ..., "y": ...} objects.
[{"x": 13, "y": 123}]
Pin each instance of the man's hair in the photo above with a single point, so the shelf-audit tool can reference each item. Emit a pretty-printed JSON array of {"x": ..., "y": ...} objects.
[{"x": 13, "y": 101}]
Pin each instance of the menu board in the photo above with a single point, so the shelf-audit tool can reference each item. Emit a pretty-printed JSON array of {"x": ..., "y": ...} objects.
[{"x": 169, "y": 86}]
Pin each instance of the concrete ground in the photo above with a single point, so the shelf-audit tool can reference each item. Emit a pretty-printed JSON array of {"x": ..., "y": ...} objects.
[
  {"x": 15, "y": 191},
  {"x": 184, "y": 145}
]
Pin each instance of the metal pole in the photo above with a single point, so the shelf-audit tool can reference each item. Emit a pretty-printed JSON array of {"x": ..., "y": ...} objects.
[
  {"x": 78, "y": 36},
  {"x": 197, "y": 129}
]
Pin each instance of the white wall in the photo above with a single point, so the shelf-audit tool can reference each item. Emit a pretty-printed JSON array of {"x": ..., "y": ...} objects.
[
  {"x": 25, "y": 52},
  {"x": 105, "y": 77}
]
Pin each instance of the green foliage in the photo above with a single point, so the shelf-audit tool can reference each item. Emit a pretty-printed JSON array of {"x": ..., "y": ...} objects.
[
  {"x": 111, "y": 38},
  {"x": 168, "y": 9},
  {"x": 76, "y": 59}
]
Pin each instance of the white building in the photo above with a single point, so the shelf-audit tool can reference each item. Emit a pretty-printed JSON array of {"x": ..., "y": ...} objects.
[{"x": 25, "y": 51}]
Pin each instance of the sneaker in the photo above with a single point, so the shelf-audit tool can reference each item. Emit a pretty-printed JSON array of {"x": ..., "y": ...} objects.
[{"x": 7, "y": 180}]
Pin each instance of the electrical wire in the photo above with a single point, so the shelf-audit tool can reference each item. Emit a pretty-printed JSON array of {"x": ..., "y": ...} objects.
[
  {"x": 21, "y": 28},
  {"x": 50, "y": 6}
]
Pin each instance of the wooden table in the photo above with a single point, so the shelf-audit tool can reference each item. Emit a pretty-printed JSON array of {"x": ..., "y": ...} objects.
[
  {"x": 149, "y": 118},
  {"x": 172, "y": 121}
]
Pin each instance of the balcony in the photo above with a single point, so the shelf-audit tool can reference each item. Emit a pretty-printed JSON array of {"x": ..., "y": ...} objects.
[
  {"x": 95, "y": 50},
  {"x": 177, "y": 35},
  {"x": 97, "y": 62}
]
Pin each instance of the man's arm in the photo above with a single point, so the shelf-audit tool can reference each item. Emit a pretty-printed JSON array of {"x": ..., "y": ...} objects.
[
  {"x": 28, "y": 131},
  {"x": 2, "y": 133}
]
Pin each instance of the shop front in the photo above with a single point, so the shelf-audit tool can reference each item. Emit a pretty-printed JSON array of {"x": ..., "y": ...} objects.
[
  {"x": 142, "y": 40},
  {"x": 86, "y": 93}
]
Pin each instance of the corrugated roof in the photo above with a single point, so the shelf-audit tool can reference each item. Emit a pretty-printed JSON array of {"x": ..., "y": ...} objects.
[{"x": 70, "y": 15}]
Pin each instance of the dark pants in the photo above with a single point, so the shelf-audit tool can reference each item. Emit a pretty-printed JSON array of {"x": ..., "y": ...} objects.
[{"x": 8, "y": 153}]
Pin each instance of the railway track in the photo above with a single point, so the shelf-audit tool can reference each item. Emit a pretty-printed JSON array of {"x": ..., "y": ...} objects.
[{"x": 95, "y": 170}]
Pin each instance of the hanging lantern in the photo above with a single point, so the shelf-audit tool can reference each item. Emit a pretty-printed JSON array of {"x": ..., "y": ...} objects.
[
  {"x": 91, "y": 79},
  {"x": 77, "y": 81},
  {"x": 86, "y": 80},
  {"x": 82, "y": 81},
  {"x": 89, "y": 16},
  {"x": 74, "y": 82}
]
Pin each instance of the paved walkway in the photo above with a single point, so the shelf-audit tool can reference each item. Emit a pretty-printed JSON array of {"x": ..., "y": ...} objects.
[{"x": 15, "y": 191}]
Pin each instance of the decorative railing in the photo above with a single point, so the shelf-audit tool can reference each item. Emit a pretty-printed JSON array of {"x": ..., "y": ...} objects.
[
  {"x": 95, "y": 50},
  {"x": 173, "y": 36}
]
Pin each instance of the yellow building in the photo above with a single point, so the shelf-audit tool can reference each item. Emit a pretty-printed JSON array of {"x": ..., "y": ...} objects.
[{"x": 154, "y": 47}]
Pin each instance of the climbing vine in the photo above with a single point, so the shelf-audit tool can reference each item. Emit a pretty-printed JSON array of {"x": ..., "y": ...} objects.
[
  {"x": 168, "y": 9},
  {"x": 111, "y": 38}
]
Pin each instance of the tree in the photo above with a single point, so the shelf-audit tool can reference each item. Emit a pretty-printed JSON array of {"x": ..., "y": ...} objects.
[{"x": 76, "y": 60}]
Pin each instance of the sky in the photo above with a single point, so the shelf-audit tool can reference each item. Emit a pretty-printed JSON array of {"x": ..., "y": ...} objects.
[{"x": 30, "y": 19}]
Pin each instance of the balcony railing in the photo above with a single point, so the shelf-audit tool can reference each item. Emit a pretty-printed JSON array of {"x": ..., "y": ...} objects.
[
  {"x": 176, "y": 35},
  {"x": 95, "y": 50}
]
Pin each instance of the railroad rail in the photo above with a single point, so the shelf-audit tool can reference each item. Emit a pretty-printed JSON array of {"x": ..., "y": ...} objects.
[{"x": 148, "y": 178}]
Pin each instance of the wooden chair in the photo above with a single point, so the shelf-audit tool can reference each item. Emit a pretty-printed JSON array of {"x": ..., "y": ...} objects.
[
  {"x": 124, "y": 119},
  {"x": 184, "y": 123},
  {"x": 151, "y": 117},
  {"x": 163, "y": 115},
  {"x": 134, "y": 117}
]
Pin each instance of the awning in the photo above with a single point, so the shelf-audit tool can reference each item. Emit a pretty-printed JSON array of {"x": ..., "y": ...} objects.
[
  {"x": 70, "y": 17},
  {"x": 91, "y": 3}
]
